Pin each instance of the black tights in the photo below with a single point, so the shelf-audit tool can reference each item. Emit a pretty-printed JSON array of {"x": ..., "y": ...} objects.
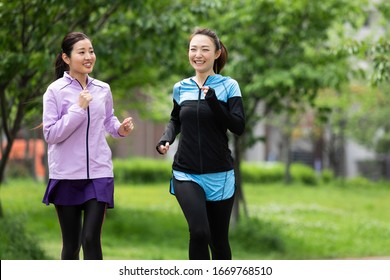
[
  {"x": 208, "y": 222},
  {"x": 76, "y": 233}
]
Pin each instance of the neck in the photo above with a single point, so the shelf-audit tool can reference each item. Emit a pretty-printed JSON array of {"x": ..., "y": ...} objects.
[
  {"x": 82, "y": 78},
  {"x": 202, "y": 77}
]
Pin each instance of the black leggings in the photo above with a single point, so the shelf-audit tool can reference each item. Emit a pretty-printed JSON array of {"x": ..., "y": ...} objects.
[
  {"x": 78, "y": 231},
  {"x": 208, "y": 222}
]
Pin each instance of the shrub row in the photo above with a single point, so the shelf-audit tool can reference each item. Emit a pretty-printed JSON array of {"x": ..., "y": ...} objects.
[
  {"x": 152, "y": 170},
  {"x": 274, "y": 172},
  {"x": 141, "y": 170}
]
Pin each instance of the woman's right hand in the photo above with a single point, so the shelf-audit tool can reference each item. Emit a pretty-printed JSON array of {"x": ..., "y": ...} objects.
[
  {"x": 84, "y": 98},
  {"x": 163, "y": 149}
]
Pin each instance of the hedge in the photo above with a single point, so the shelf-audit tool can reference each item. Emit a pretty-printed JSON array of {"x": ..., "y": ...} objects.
[{"x": 142, "y": 170}]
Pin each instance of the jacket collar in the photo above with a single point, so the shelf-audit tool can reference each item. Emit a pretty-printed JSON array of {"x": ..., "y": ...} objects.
[{"x": 70, "y": 78}]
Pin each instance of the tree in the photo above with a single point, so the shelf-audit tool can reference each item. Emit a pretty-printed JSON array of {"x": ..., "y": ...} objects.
[
  {"x": 359, "y": 107},
  {"x": 280, "y": 55},
  {"x": 380, "y": 51}
]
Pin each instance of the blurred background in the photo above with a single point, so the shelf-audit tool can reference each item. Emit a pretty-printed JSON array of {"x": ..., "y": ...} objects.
[{"x": 314, "y": 77}]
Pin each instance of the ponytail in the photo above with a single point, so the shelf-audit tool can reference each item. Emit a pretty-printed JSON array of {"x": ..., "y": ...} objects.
[
  {"x": 220, "y": 62},
  {"x": 60, "y": 66}
]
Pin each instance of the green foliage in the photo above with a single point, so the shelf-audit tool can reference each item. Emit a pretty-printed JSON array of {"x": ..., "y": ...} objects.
[
  {"x": 304, "y": 174},
  {"x": 359, "y": 182},
  {"x": 283, "y": 57},
  {"x": 267, "y": 172},
  {"x": 380, "y": 54},
  {"x": 327, "y": 176},
  {"x": 368, "y": 116},
  {"x": 273, "y": 172},
  {"x": 139, "y": 170},
  {"x": 364, "y": 111},
  {"x": 16, "y": 243}
]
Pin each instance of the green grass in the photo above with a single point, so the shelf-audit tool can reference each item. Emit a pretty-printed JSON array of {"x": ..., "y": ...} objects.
[{"x": 285, "y": 222}]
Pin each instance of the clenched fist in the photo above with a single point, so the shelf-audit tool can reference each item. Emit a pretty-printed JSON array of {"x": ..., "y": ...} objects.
[
  {"x": 126, "y": 127},
  {"x": 84, "y": 98}
]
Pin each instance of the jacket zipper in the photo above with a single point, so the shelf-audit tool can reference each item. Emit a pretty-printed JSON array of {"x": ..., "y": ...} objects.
[
  {"x": 198, "y": 124},
  {"x": 87, "y": 135},
  {"x": 87, "y": 142}
]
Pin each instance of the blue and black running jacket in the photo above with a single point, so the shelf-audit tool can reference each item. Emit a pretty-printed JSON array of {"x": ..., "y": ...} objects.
[{"x": 202, "y": 122}]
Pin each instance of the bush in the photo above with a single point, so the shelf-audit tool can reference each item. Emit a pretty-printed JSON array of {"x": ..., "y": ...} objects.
[
  {"x": 142, "y": 170},
  {"x": 262, "y": 172},
  {"x": 16, "y": 244},
  {"x": 303, "y": 174},
  {"x": 327, "y": 176},
  {"x": 359, "y": 181},
  {"x": 273, "y": 172}
]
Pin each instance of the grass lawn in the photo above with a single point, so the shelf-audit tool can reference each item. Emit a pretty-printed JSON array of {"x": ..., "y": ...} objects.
[{"x": 283, "y": 222}]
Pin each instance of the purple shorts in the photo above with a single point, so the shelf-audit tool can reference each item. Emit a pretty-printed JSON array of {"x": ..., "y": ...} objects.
[{"x": 77, "y": 192}]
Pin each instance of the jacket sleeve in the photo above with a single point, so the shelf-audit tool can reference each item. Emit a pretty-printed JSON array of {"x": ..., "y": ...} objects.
[
  {"x": 232, "y": 116},
  {"x": 111, "y": 122},
  {"x": 56, "y": 126},
  {"x": 173, "y": 128}
]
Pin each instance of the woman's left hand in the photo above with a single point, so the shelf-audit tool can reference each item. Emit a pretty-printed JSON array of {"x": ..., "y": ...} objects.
[
  {"x": 205, "y": 89},
  {"x": 126, "y": 127}
]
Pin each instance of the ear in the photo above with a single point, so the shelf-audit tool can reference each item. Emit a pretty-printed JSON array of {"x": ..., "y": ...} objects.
[
  {"x": 217, "y": 54},
  {"x": 65, "y": 58}
]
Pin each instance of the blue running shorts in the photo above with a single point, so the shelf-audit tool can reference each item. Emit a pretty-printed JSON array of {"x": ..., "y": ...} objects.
[{"x": 217, "y": 186}]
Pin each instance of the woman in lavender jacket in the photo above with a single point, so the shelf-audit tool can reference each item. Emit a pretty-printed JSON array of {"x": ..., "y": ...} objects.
[{"x": 77, "y": 115}]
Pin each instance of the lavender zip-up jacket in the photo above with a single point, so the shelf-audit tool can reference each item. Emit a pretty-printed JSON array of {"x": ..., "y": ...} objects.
[{"x": 77, "y": 146}]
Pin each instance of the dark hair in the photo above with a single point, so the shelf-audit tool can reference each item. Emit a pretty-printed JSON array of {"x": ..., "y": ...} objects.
[
  {"x": 66, "y": 47},
  {"x": 220, "y": 62}
]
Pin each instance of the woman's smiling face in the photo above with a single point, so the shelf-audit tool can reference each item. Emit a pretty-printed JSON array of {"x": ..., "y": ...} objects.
[
  {"x": 202, "y": 53},
  {"x": 82, "y": 58}
]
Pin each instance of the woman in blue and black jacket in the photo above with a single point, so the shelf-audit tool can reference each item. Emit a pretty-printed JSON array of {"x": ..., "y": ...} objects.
[{"x": 205, "y": 107}]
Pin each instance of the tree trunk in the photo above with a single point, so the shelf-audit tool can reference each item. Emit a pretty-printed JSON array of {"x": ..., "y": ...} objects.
[
  {"x": 4, "y": 159},
  {"x": 239, "y": 195},
  {"x": 9, "y": 132},
  {"x": 341, "y": 151},
  {"x": 3, "y": 164},
  {"x": 286, "y": 157},
  {"x": 337, "y": 152}
]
